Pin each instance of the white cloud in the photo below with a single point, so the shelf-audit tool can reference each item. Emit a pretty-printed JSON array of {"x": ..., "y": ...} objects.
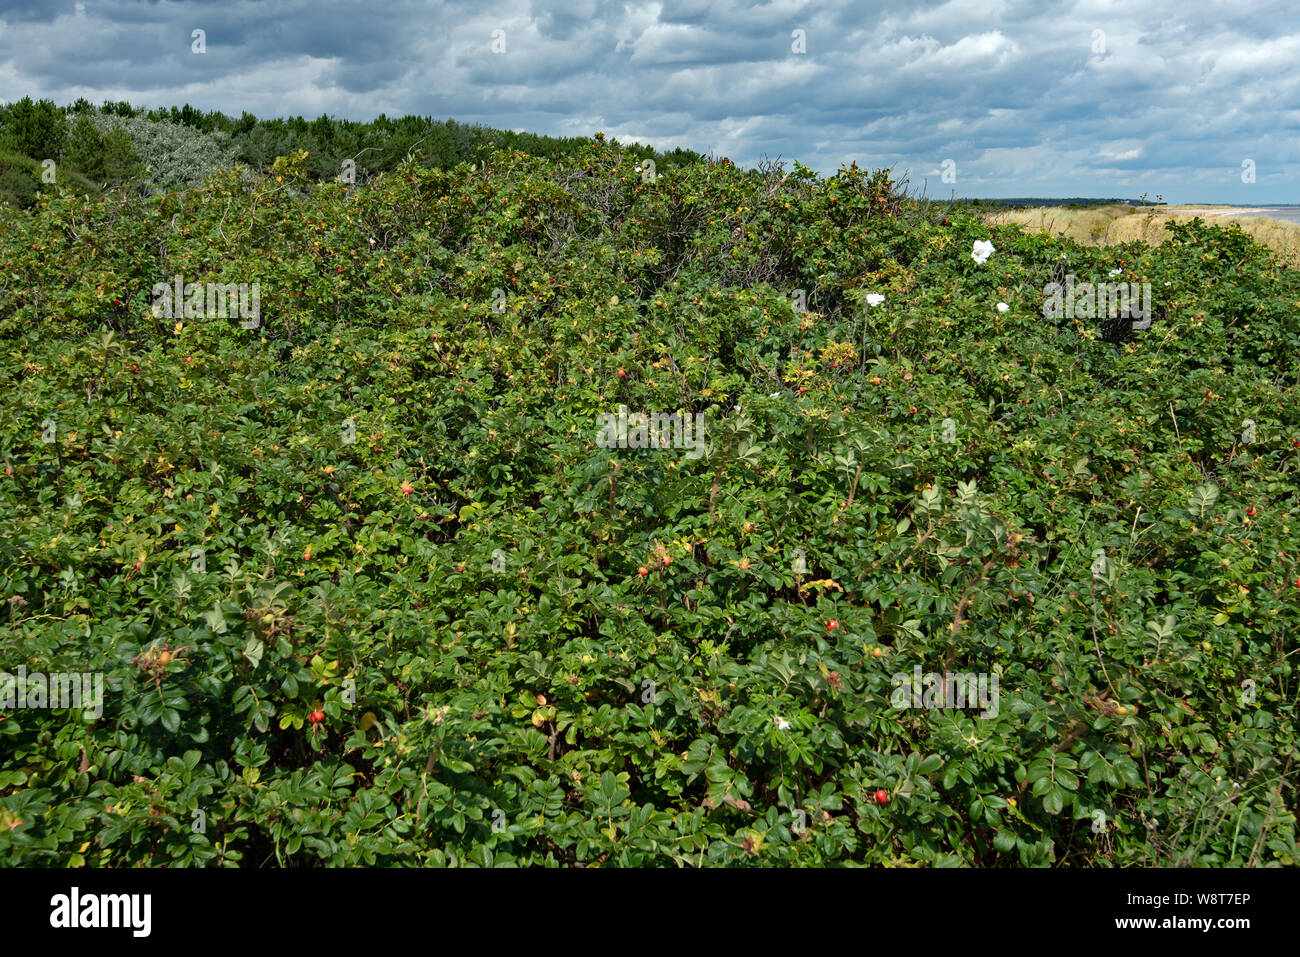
[{"x": 1013, "y": 92}]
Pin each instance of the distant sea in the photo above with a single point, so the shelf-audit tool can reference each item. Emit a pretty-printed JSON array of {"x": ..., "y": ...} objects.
[{"x": 1288, "y": 213}]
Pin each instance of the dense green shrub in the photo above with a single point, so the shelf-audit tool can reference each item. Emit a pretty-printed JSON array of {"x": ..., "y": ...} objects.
[
  {"x": 44, "y": 148},
  {"x": 106, "y": 157},
  {"x": 173, "y": 155},
  {"x": 384, "y": 506},
  {"x": 33, "y": 128},
  {"x": 19, "y": 184}
]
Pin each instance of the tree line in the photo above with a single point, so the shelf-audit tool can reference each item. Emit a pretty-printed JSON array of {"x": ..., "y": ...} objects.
[{"x": 93, "y": 148}]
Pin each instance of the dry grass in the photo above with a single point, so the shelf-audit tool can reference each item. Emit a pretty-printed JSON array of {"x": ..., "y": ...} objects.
[{"x": 1113, "y": 224}]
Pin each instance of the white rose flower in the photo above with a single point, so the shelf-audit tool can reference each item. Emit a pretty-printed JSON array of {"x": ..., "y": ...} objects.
[
  {"x": 1003, "y": 307},
  {"x": 874, "y": 299},
  {"x": 982, "y": 250}
]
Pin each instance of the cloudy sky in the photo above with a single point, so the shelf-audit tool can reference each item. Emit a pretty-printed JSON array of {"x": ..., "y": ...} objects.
[{"x": 1188, "y": 99}]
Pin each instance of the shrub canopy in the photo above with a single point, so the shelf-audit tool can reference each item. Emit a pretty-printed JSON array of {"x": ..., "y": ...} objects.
[{"x": 365, "y": 588}]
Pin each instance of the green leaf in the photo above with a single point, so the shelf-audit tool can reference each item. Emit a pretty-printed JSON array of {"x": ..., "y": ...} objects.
[
  {"x": 1202, "y": 499},
  {"x": 254, "y": 648},
  {"x": 950, "y": 775},
  {"x": 1054, "y": 801},
  {"x": 216, "y": 619},
  {"x": 931, "y": 764},
  {"x": 171, "y": 720}
]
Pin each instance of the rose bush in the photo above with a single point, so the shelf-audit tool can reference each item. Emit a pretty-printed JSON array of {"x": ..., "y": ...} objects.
[{"x": 365, "y": 589}]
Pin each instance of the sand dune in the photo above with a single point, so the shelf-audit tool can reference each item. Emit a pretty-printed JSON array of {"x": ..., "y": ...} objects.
[{"x": 1275, "y": 227}]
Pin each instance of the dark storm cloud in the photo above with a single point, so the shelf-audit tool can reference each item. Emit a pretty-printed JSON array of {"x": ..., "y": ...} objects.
[{"x": 1024, "y": 97}]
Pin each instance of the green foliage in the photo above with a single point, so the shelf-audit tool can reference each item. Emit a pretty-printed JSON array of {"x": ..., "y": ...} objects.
[
  {"x": 384, "y": 507},
  {"x": 19, "y": 179},
  {"x": 42, "y": 148},
  {"x": 169, "y": 149},
  {"x": 174, "y": 156},
  {"x": 23, "y": 179},
  {"x": 106, "y": 157},
  {"x": 35, "y": 129}
]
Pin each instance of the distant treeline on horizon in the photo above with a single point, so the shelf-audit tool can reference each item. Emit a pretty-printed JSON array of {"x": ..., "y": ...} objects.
[
  {"x": 117, "y": 144},
  {"x": 1072, "y": 201}
]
